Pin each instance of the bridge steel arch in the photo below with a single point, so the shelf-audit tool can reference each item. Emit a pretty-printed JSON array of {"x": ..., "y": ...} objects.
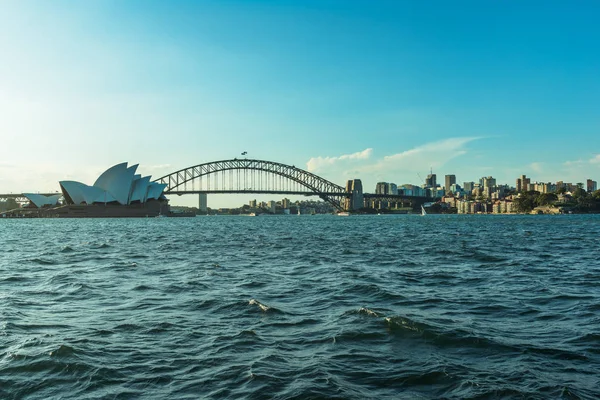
[{"x": 252, "y": 176}]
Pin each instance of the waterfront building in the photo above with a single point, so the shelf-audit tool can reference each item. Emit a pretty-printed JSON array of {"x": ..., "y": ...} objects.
[
  {"x": 463, "y": 206},
  {"x": 497, "y": 207},
  {"x": 449, "y": 181},
  {"x": 450, "y": 200},
  {"x": 118, "y": 192},
  {"x": 117, "y": 185},
  {"x": 252, "y": 203},
  {"x": 591, "y": 185},
  {"x": 509, "y": 206},
  {"x": 503, "y": 207}
]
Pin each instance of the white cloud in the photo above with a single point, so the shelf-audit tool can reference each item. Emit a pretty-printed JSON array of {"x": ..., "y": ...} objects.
[
  {"x": 404, "y": 165},
  {"x": 415, "y": 162},
  {"x": 595, "y": 160},
  {"x": 156, "y": 169},
  {"x": 575, "y": 170},
  {"x": 316, "y": 164},
  {"x": 536, "y": 166},
  {"x": 573, "y": 163},
  {"x": 434, "y": 154}
]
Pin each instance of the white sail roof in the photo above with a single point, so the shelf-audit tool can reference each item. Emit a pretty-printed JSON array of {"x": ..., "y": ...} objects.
[
  {"x": 73, "y": 191},
  {"x": 107, "y": 177},
  {"x": 155, "y": 190},
  {"x": 119, "y": 183},
  {"x": 39, "y": 200},
  {"x": 140, "y": 189}
]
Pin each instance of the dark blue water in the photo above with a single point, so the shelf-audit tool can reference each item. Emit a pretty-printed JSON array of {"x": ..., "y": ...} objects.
[{"x": 297, "y": 307}]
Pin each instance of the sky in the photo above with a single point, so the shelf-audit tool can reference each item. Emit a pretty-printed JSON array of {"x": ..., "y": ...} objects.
[{"x": 375, "y": 90}]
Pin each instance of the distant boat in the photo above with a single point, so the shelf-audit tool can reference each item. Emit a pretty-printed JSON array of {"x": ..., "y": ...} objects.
[
  {"x": 423, "y": 213},
  {"x": 343, "y": 214}
]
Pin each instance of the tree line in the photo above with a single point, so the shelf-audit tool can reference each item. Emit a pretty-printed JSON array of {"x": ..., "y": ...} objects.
[{"x": 580, "y": 201}]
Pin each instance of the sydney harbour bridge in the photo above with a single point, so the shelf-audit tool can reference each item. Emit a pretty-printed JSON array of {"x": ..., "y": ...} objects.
[{"x": 253, "y": 176}]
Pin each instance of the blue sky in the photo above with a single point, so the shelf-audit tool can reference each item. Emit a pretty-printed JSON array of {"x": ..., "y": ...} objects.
[{"x": 377, "y": 90}]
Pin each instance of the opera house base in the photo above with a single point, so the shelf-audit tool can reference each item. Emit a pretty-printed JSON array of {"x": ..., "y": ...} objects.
[
  {"x": 117, "y": 193},
  {"x": 149, "y": 209}
]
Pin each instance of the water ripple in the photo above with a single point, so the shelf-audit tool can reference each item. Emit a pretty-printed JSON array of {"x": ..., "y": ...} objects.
[{"x": 454, "y": 307}]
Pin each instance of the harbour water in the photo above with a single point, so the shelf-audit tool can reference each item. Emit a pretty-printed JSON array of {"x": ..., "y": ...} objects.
[{"x": 300, "y": 307}]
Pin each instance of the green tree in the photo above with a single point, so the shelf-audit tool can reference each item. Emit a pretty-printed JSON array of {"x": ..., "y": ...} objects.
[
  {"x": 526, "y": 201},
  {"x": 579, "y": 193},
  {"x": 544, "y": 199}
]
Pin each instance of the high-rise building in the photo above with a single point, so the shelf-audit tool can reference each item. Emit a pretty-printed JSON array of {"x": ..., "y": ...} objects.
[
  {"x": 523, "y": 184},
  {"x": 455, "y": 189},
  {"x": 386, "y": 188},
  {"x": 488, "y": 182},
  {"x": 592, "y": 186},
  {"x": 468, "y": 186},
  {"x": 381, "y": 188},
  {"x": 431, "y": 181},
  {"x": 449, "y": 181}
]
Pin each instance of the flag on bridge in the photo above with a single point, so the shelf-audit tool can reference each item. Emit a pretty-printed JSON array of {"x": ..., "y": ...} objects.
[{"x": 244, "y": 153}]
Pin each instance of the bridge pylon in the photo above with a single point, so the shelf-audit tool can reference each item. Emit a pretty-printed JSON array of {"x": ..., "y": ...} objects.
[
  {"x": 355, "y": 200},
  {"x": 202, "y": 202}
]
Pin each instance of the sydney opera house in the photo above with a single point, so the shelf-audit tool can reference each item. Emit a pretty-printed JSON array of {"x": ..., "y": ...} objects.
[{"x": 118, "y": 192}]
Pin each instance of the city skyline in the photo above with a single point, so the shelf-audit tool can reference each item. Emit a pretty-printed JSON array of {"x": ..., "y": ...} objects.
[{"x": 345, "y": 90}]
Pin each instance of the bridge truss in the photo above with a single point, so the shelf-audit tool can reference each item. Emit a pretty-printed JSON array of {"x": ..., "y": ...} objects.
[
  {"x": 252, "y": 176},
  {"x": 19, "y": 197}
]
